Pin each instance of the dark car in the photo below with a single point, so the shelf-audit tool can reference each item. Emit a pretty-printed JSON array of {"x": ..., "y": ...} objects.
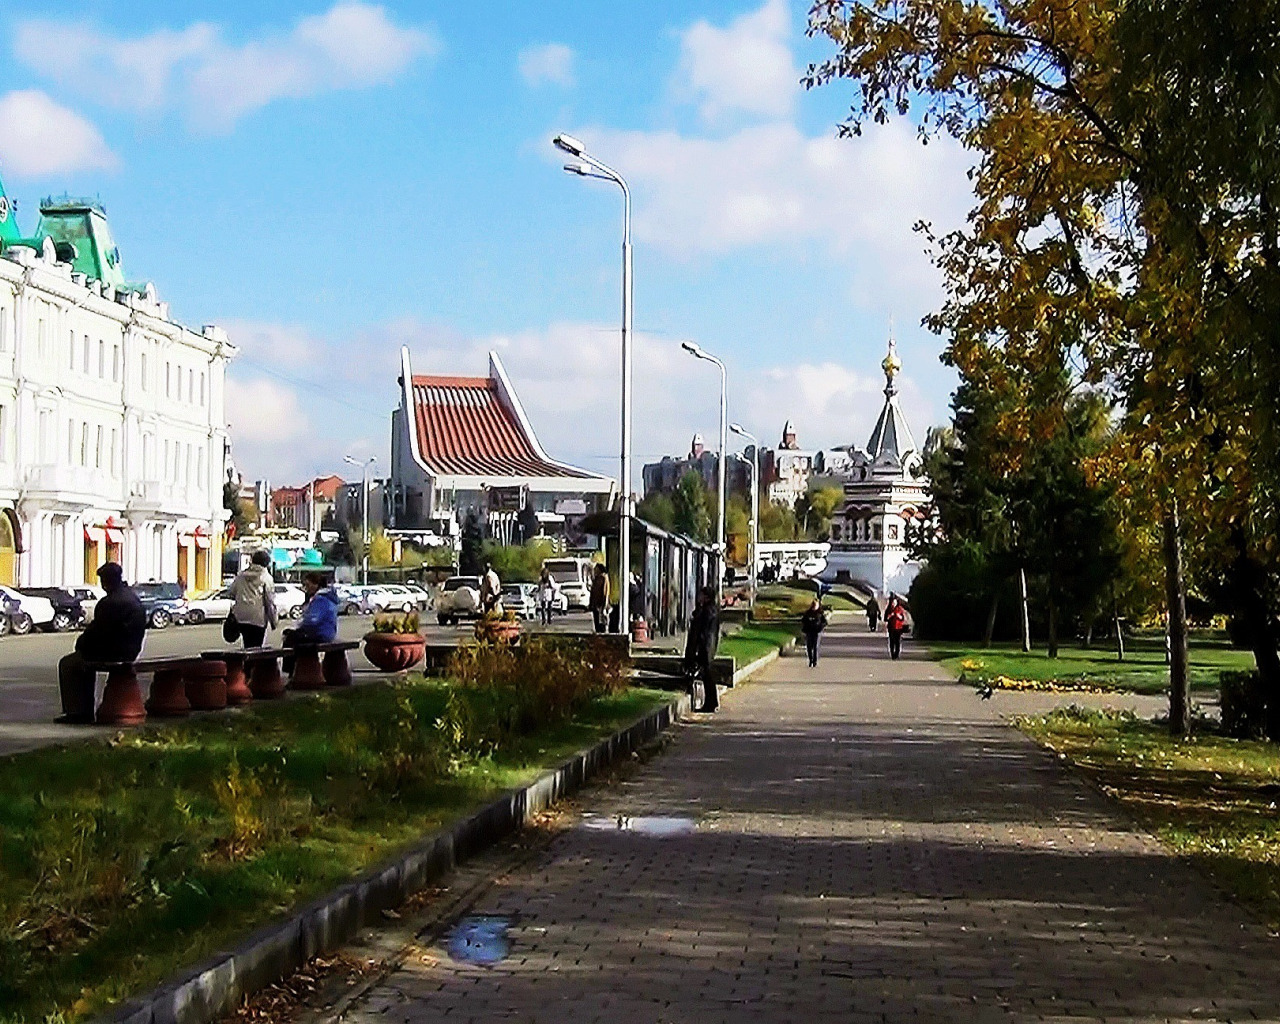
[
  {"x": 68, "y": 611},
  {"x": 164, "y": 603}
]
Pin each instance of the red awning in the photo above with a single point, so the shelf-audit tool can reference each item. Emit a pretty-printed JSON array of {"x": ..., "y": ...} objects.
[
  {"x": 94, "y": 534},
  {"x": 115, "y": 535},
  {"x": 202, "y": 538}
]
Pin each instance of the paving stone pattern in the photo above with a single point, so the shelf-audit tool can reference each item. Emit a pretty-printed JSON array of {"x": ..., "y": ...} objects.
[{"x": 871, "y": 844}]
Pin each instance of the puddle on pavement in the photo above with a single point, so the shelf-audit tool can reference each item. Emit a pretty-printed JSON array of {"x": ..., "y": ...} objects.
[
  {"x": 480, "y": 939},
  {"x": 648, "y": 825}
]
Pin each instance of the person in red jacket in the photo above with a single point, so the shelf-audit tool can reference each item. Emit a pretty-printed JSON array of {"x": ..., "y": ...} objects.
[{"x": 895, "y": 621}]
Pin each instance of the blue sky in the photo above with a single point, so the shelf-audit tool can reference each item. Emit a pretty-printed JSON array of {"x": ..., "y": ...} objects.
[{"x": 330, "y": 181}]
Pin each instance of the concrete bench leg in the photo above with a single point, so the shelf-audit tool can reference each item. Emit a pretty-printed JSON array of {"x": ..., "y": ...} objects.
[
  {"x": 238, "y": 692},
  {"x": 168, "y": 694},
  {"x": 336, "y": 668},
  {"x": 122, "y": 699},
  {"x": 206, "y": 683},
  {"x": 306, "y": 673},
  {"x": 265, "y": 680}
]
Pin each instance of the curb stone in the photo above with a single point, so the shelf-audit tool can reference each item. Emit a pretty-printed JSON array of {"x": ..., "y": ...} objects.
[
  {"x": 217, "y": 986},
  {"x": 751, "y": 667}
]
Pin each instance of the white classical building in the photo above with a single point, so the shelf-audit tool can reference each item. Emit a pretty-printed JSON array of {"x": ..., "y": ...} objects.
[
  {"x": 112, "y": 426},
  {"x": 884, "y": 492}
]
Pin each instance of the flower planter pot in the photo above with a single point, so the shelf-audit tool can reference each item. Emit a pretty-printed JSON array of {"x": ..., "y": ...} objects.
[
  {"x": 497, "y": 630},
  {"x": 394, "y": 652}
]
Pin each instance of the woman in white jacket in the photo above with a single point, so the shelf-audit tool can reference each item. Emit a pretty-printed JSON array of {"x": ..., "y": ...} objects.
[{"x": 254, "y": 594}]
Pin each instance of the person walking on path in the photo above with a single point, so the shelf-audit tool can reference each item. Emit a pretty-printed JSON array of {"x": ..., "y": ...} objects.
[
  {"x": 253, "y": 611},
  {"x": 895, "y": 621},
  {"x": 547, "y": 591},
  {"x": 701, "y": 645},
  {"x": 490, "y": 589},
  {"x": 599, "y": 602},
  {"x": 116, "y": 633},
  {"x": 873, "y": 614},
  {"x": 812, "y": 623}
]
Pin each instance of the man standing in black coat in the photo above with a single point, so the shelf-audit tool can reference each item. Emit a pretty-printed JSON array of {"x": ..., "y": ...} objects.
[
  {"x": 116, "y": 633},
  {"x": 701, "y": 645}
]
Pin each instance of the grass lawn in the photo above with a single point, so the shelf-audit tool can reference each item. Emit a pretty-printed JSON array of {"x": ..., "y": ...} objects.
[
  {"x": 124, "y": 861},
  {"x": 1142, "y": 671},
  {"x": 1211, "y": 798},
  {"x": 755, "y": 640}
]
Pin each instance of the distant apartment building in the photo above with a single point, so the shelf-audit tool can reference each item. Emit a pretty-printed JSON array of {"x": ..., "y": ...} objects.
[
  {"x": 464, "y": 444},
  {"x": 308, "y": 507},
  {"x": 113, "y": 432},
  {"x": 785, "y": 471},
  {"x": 664, "y": 475},
  {"x": 348, "y": 509}
]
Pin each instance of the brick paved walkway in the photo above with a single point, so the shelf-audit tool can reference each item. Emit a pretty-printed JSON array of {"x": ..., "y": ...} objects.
[{"x": 870, "y": 844}]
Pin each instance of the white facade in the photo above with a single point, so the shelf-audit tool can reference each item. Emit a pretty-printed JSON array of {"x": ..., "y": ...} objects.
[
  {"x": 112, "y": 431},
  {"x": 884, "y": 492}
]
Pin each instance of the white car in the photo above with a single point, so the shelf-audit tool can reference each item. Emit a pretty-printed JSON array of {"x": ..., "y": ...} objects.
[
  {"x": 289, "y": 600},
  {"x": 213, "y": 607},
  {"x": 34, "y": 611},
  {"x": 522, "y": 598},
  {"x": 397, "y": 598},
  {"x": 459, "y": 598}
]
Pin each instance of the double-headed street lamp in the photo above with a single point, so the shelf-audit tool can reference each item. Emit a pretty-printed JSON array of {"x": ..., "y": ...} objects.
[
  {"x": 364, "y": 518},
  {"x": 700, "y": 353},
  {"x": 589, "y": 167},
  {"x": 755, "y": 504}
]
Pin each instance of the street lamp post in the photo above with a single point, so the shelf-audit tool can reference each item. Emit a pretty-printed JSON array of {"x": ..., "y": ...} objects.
[
  {"x": 755, "y": 505},
  {"x": 587, "y": 166},
  {"x": 700, "y": 353},
  {"x": 364, "y": 516}
]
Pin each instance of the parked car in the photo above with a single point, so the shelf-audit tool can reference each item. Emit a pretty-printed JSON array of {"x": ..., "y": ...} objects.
[
  {"x": 573, "y": 575},
  {"x": 522, "y": 598},
  {"x": 68, "y": 612},
  {"x": 422, "y": 594},
  {"x": 290, "y": 598},
  {"x": 89, "y": 598},
  {"x": 350, "y": 598},
  {"x": 459, "y": 598},
  {"x": 32, "y": 611},
  {"x": 398, "y": 598},
  {"x": 164, "y": 603},
  {"x": 214, "y": 606}
]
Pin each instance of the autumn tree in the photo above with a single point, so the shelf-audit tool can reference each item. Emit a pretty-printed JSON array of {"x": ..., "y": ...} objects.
[
  {"x": 1120, "y": 230},
  {"x": 691, "y": 514}
]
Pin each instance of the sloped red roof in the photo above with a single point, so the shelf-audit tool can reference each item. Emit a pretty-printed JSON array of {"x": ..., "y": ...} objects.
[{"x": 464, "y": 429}]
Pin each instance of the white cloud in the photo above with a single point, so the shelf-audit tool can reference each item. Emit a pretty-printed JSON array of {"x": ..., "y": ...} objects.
[
  {"x": 747, "y": 67},
  {"x": 214, "y": 83},
  {"x": 772, "y": 185},
  {"x": 551, "y": 63},
  {"x": 263, "y": 412},
  {"x": 37, "y": 136}
]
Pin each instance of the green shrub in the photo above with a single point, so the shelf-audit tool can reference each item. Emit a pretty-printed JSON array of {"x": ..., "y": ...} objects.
[
  {"x": 1243, "y": 704},
  {"x": 502, "y": 690}
]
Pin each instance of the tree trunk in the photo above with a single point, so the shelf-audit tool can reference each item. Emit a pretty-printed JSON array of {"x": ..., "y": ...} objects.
[
  {"x": 1053, "y": 623},
  {"x": 1248, "y": 583},
  {"x": 991, "y": 619},
  {"x": 1026, "y": 615},
  {"x": 1176, "y": 598},
  {"x": 1088, "y": 632},
  {"x": 1115, "y": 621}
]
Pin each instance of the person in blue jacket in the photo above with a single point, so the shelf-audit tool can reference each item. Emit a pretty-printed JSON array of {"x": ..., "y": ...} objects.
[{"x": 319, "y": 622}]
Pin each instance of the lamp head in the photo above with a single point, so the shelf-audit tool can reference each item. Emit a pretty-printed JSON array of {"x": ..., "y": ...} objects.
[
  {"x": 737, "y": 429},
  {"x": 691, "y": 348},
  {"x": 579, "y": 168},
  {"x": 568, "y": 144},
  {"x": 353, "y": 461}
]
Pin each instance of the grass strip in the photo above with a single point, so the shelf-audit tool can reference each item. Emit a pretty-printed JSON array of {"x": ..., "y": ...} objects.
[
  {"x": 122, "y": 862},
  {"x": 755, "y": 640},
  {"x": 1142, "y": 671},
  {"x": 1211, "y": 799}
]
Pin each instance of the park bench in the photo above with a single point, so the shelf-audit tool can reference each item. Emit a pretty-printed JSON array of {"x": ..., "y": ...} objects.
[
  {"x": 263, "y": 666},
  {"x": 178, "y": 684}
]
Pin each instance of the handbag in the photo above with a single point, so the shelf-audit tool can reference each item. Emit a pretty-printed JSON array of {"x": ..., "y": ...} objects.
[{"x": 230, "y": 628}]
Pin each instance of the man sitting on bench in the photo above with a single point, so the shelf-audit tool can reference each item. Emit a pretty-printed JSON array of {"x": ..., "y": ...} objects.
[
  {"x": 319, "y": 622},
  {"x": 116, "y": 633}
]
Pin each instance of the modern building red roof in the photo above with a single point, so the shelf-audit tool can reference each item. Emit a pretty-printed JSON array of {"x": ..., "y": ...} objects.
[{"x": 465, "y": 429}]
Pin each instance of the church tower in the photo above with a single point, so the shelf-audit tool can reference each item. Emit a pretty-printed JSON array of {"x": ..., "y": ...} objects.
[{"x": 884, "y": 492}]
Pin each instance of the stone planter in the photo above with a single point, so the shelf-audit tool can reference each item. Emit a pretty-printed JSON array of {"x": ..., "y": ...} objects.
[
  {"x": 394, "y": 652},
  {"x": 497, "y": 630}
]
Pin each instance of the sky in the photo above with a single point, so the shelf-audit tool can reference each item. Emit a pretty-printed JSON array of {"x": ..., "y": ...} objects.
[{"x": 331, "y": 181}]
